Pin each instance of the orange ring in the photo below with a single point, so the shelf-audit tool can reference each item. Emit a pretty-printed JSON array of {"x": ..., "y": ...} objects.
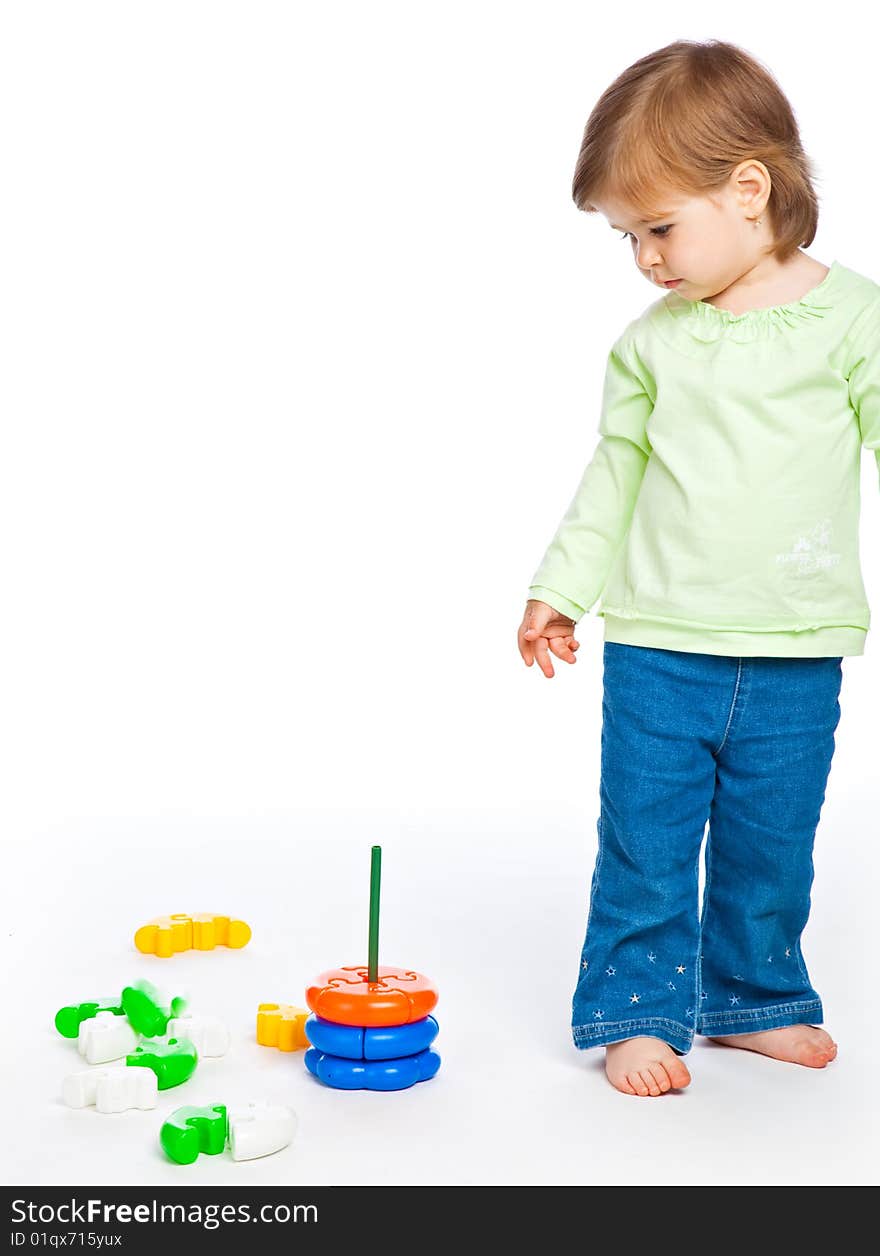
[{"x": 345, "y": 996}]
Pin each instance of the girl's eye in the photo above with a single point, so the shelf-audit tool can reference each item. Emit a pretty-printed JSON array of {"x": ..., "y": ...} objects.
[{"x": 657, "y": 231}]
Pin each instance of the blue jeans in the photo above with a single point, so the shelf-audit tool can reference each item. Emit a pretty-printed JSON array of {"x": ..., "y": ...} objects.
[{"x": 745, "y": 744}]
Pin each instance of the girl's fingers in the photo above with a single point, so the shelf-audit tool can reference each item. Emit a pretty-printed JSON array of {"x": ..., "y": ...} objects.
[
  {"x": 562, "y": 650},
  {"x": 526, "y": 647},
  {"x": 530, "y": 630},
  {"x": 543, "y": 657}
]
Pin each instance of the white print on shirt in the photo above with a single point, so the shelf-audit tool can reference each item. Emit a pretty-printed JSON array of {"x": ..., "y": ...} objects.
[{"x": 813, "y": 551}]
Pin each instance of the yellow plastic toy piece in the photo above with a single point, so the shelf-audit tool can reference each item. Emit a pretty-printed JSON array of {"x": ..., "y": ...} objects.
[
  {"x": 282, "y": 1025},
  {"x": 167, "y": 935}
]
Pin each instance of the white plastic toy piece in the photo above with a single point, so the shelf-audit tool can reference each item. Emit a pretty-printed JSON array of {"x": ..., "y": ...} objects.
[
  {"x": 208, "y": 1034},
  {"x": 106, "y": 1037},
  {"x": 111, "y": 1089},
  {"x": 259, "y": 1129}
]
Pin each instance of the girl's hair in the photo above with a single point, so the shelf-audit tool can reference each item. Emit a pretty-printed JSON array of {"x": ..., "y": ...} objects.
[{"x": 680, "y": 120}]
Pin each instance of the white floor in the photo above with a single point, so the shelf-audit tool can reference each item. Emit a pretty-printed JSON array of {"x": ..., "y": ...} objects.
[{"x": 491, "y": 906}]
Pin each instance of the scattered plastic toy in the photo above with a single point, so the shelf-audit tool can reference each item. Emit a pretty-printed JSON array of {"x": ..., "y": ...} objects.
[
  {"x": 372, "y": 1029},
  {"x": 145, "y": 1008},
  {"x": 208, "y": 1034},
  {"x": 111, "y": 1089},
  {"x": 282, "y": 1025},
  {"x": 187, "y": 1131},
  {"x": 165, "y": 936},
  {"x": 105, "y": 1037},
  {"x": 69, "y": 1019},
  {"x": 251, "y": 1131},
  {"x": 260, "y": 1129},
  {"x": 173, "y": 1060}
]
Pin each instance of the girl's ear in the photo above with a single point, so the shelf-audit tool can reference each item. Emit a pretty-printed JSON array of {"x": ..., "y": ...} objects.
[{"x": 751, "y": 183}]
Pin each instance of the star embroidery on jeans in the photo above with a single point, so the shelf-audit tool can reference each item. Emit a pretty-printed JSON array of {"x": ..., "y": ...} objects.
[
  {"x": 769, "y": 959},
  {"x": 651, "y": 957},
  {"x": 610, "y": 971},
  {"x": 704, "y": 995},
  {"x": 670, "y": 985},
  {"x": 788, "y": 952},
  {"x": 634, "y": 998},
  {"x": 598, "y": 1014},
  {"x": 688, "y": 1011},
  {"x": 738, "y": 977},
  {"x": 734, "y": 999},
  {"x": 680, "y": 968},
  {"x": 584, "y": 965}
]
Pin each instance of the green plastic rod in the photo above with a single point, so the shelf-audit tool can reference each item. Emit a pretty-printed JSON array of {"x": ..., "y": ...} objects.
[{"x": 375, "y": 878}]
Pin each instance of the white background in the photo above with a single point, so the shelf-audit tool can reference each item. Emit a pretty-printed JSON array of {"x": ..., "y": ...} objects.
[{"x": 303, "y": 340}]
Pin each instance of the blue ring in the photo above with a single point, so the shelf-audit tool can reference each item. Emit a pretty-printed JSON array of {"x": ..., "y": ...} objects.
[
  {"x": 386, "y": 1042},
  {"x": 342, "y": 1074}
]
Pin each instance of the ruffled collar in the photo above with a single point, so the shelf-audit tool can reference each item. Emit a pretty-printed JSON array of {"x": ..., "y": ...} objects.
[{"x": 706, "y": 323}]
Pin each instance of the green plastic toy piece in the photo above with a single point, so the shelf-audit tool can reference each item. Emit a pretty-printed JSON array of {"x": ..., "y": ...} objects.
[
  {"x": 191, "y": 1130},
  {"x": 173, "y": 1060},
  {"x": 141, "y": 1004},
  {"x": 69, "y": 1019}
]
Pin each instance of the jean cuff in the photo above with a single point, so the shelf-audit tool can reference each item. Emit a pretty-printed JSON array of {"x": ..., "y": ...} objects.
[
  {"x": 679, "y": 1036},
  {"x": 752, "y": 1020}
]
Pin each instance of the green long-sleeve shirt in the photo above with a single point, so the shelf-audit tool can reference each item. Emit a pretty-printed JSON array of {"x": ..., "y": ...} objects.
[{"x": 720, "y": 510}]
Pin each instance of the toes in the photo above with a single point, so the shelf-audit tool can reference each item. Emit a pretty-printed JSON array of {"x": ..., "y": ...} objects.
[
  {"x": 812, "y": 1054},
  {"x": 678, "y": 1074},
  {"x": 822, "y": 1039},
  {"x": 661, "y": 1077},
  {"x": 644, "y": 1068},
  {"x": 824, "y": 1048},
  {"x": 819, "y": 1050}
]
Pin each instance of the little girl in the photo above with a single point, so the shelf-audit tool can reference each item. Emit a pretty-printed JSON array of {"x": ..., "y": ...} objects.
[{"x": 718, "y": 519}]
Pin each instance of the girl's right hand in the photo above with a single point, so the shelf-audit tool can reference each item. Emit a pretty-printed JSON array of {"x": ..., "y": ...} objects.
[{"x": 544, "y": 629}]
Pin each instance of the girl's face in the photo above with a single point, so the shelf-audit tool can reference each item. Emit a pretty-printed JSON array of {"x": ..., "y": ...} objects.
[{"x": 705, "y": 243}]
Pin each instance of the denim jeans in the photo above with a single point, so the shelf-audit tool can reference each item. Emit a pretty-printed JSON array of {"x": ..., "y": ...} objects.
[{"x": 744, "y": 744}]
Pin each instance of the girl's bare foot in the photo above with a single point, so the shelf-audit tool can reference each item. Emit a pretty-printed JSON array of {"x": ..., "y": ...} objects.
[
  {"x": 797, "y": 1044},
  {"x": 644, "y": 1066}
]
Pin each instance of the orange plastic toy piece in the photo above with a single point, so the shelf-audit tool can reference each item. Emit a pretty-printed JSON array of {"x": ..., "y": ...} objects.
[
  {"x": 282, "y": 1025},
  {"x": 167, "y": 935},
  {"x": 346, "y": 996}
]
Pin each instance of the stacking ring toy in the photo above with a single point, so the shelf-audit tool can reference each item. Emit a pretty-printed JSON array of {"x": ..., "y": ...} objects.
[{"x": 370, "y": 1028}]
